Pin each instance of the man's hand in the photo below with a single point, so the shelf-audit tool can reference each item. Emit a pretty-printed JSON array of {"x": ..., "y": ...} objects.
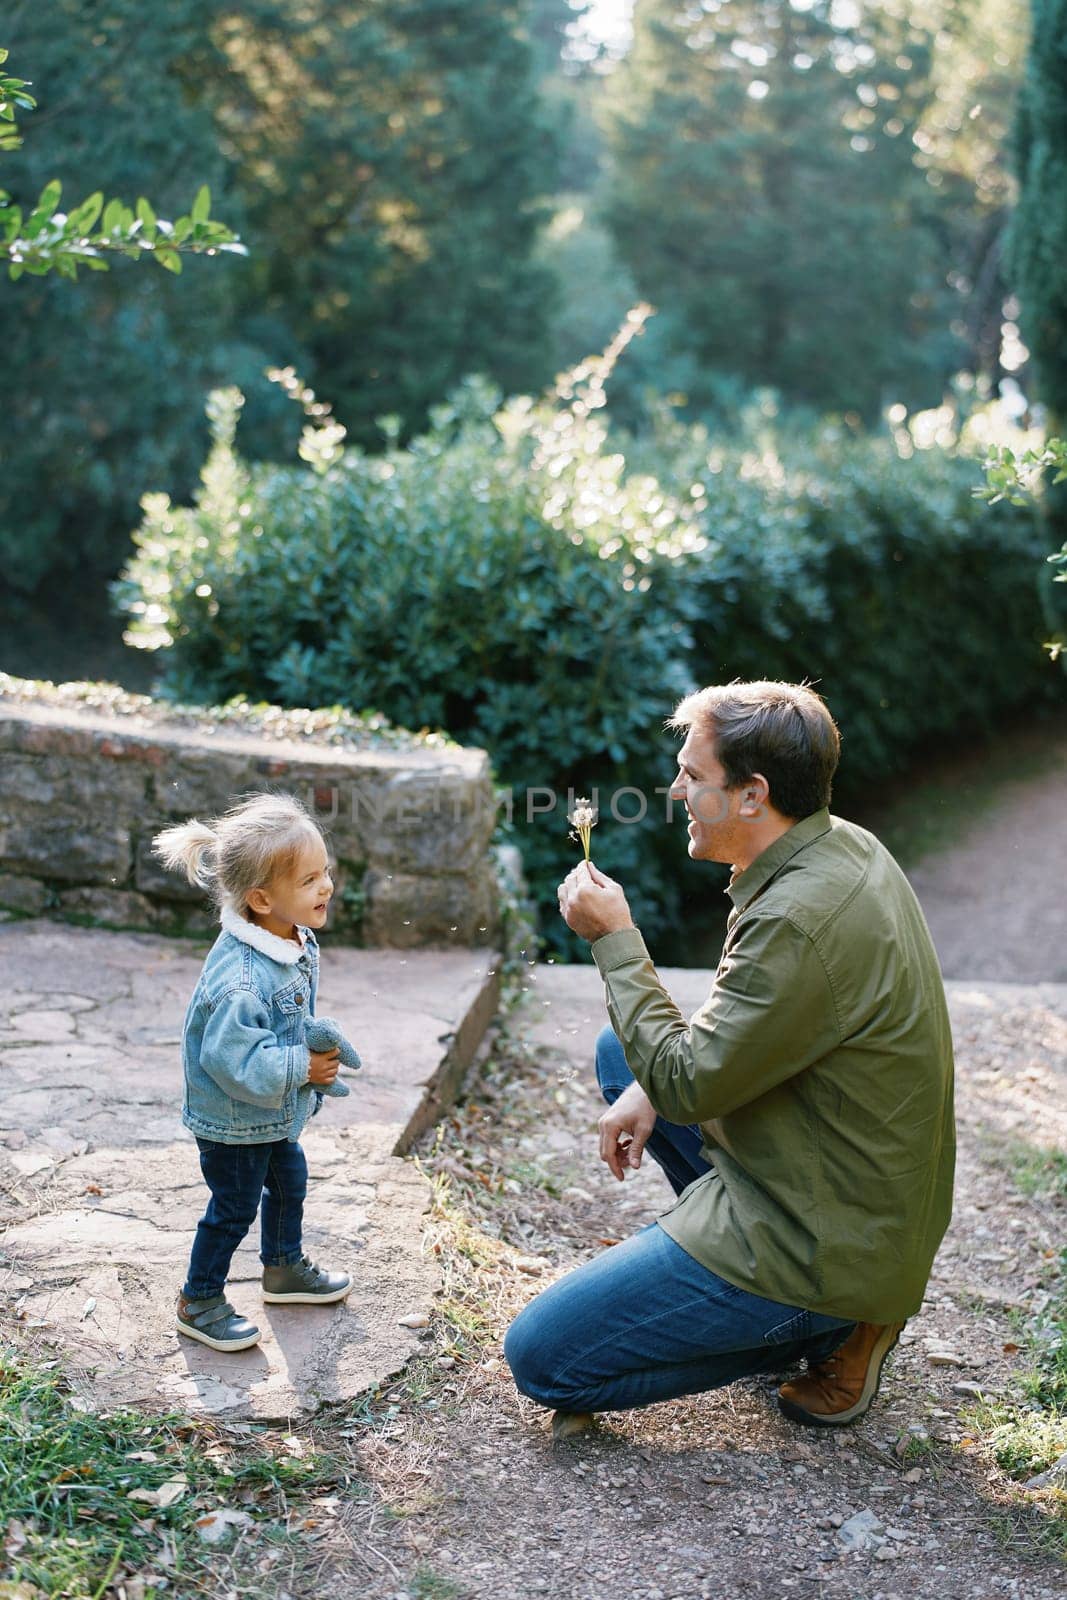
[
  {"x": 323, "y": 1066},
  {"x": 624, "y": 1130},
  {"x": 592, "y": 904}
]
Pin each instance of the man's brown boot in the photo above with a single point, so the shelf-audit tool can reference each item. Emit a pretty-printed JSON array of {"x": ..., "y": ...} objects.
[{"x": 840, "y": 1389}]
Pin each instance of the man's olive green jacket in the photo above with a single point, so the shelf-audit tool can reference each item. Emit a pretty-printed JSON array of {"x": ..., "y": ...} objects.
[{"x": 820, "y": 1072}]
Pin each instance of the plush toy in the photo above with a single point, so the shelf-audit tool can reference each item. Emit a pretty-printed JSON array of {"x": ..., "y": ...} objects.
[{"x": 322, "y": 1033}]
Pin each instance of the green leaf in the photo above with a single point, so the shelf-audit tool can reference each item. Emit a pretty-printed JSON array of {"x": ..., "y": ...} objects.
[
  {"x": 49, "y": 197},
  {"x": 182, "y": 229},
  {"x": 202, "y": 204},
  {"x": 168, "y": 257},
  {"x": 147, "y": 217},
  {"x": 112, "y": 216},
  {"x": 83, "y": 218}
]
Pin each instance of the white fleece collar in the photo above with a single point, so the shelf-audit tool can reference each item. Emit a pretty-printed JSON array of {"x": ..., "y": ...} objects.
[{"x": 287, "y": 951}]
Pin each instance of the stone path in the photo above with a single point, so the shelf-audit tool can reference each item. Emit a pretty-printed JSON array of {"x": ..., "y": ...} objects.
[{"x": 100, "y": 1186}]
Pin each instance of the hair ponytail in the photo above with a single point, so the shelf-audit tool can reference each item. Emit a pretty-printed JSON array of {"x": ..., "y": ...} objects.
[{"x": 185, "y": 848}]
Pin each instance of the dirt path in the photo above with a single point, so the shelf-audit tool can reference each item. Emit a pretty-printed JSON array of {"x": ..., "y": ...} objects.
[{"x": 996, "y": 899}]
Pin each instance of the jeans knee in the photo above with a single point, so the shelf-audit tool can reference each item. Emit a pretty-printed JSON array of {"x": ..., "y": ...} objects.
[
  {"x": 287, "y": 1179},
  {"x": 539, "y": 1366},
  {"x": 293, "y": 1192},
  {"x": 519, "y": 1353},
  {"x": 612, "y": 1073},
  {"x": 525, "y": 1353},
  {"x": 232, "y": 1210}
]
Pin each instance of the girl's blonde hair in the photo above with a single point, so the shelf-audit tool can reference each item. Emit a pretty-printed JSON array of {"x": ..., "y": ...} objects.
[{"x": 246, "y": 848}]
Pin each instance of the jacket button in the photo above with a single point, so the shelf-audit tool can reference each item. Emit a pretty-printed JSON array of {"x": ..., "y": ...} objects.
[{"x": 300, "y": 999}]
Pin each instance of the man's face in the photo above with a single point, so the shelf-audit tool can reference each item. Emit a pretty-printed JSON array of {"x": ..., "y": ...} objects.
[{"x": 711, "y": 807}]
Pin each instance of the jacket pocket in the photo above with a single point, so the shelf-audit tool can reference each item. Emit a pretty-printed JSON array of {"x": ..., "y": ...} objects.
[{"x": 294, "y": 999}]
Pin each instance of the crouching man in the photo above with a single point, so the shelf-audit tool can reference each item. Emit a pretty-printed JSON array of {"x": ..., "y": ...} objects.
[{"x": 803, "y": 1115}]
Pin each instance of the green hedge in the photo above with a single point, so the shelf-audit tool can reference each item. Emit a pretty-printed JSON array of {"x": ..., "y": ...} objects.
[
  {"x": 914, "y": 606},
  {"x": 512, "y": 578}
]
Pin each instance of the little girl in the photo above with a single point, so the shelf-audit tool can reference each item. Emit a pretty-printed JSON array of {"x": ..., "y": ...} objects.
[{"x": 249, "y": 1076}]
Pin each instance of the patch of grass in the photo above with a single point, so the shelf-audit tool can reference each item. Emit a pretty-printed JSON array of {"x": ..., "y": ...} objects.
[
  {"x": 1041, "y": 1172},
  {"x": 430, "y": 1585},
  {"x": 72, "y": 1481},
  {"x": 1025, "y": 1434},
  {"x": 1025, "y": 1444},
  {"x": 919, "y": 1447},
  {"x": 531, "y": 1175}
]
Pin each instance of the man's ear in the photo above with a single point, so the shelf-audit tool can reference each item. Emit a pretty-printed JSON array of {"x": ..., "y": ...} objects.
[
  {"x": 258, "y": 900},
  {"x": 755, "y": 794}
]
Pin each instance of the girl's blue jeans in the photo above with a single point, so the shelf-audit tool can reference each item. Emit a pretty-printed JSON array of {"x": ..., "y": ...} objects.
[
  {"x": 645, "y": 1321},
  {"x": 240, "y": 1177}
]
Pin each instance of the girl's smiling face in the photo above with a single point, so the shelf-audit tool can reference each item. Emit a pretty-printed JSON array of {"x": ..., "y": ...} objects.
[{"x": 299, "y": 897}]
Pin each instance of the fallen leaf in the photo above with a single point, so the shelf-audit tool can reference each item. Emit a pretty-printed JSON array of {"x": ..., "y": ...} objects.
[
  {"x": 531, "y": 1264},
  {"x": 222, "y": 1524},
  {"x": 93, "y": 1188},
  {"x": 14, "y": 1537},
  {"x": 141, "y": 1455},
  {"x": 416, "y": 1319},
  {"x": 166, "y": 1495},
  {"x": 88, "y": 1308}
]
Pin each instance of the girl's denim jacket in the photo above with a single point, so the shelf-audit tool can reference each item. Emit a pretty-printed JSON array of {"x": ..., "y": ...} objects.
[{"x": 243, "y": 1051}]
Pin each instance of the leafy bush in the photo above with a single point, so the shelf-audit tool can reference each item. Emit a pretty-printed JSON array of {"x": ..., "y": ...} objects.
[
  {"x": 494, "y": 579},
  {"x": 512, "y": 578},
  {"x": 882, "y": 578}
]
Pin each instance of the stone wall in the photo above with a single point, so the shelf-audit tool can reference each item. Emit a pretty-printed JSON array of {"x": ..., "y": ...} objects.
[{"x": 83, "y": 789}]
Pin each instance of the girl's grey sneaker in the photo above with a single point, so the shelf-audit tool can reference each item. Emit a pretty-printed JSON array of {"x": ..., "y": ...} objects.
[
  {"x": 215, "y": 1323},
  {"x": 304, "y": 1284}
]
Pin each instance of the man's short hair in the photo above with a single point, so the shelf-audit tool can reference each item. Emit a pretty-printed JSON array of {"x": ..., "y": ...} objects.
[{"x": 782, "y": 730}]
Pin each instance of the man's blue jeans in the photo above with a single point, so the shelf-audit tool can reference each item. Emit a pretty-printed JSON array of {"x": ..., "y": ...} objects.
[
  {"x": 240, "y": 1177},
  {"x": 645, "y": 1321}
]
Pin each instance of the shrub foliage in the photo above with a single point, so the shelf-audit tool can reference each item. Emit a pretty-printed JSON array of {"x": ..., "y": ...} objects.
[{"x": 517, "y": 578}]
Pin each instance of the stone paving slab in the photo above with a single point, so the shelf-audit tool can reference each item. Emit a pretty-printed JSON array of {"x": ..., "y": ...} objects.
[{"x": 100, "y": 1184}]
